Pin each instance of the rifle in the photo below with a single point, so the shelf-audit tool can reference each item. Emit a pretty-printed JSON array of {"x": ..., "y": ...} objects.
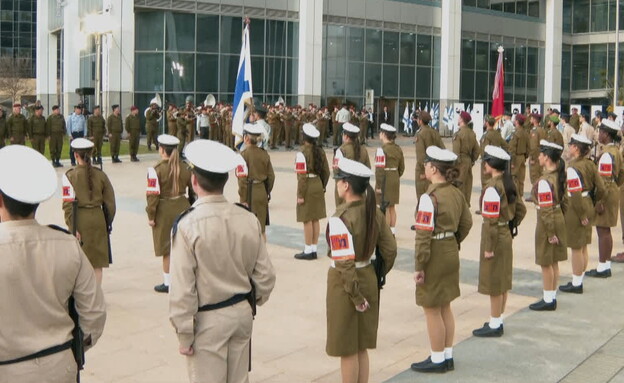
[
  {"x": 109, "y": 229},
  {"x": 378, "y": 263},
  {"x": 77, "y": 345},
  {"x": 251, "y": 298},
  {"x": 249, "y": 192}
]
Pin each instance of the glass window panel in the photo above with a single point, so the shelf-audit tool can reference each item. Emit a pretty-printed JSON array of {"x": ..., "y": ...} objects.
[
  {"x": 610, "y": 63},
  {"x": 179, "y": 73},
  {"x": 373, "y": 45},
  {"x": 580, "y": 20},
  {"x": 7, "y": 4},
  {"x": 25, "y": 27},
  {"x": 25, "y": 5},
  {"x": 534, "y": 9},
  {"x": 437, "y": 45},
  {"x": 275, "y": 76},
  {"x": 207, "y": 73},
  {"x": 466, "y": 85},
  {"x": 470, "y": 3},
  {"x": 531, "y": 84},
  {"x": 231, "y": 35},
  {"x": 335, "y": 77},
  {"x": 149, "y": 31},
  {"x": 257, "y": 74},
  {"x": 599, "y": 15},
  {"x": 509, "y": 85},
  {"x": 423, "y": 82},
  {"x": 372, "y": 77},
  {"x": 408, "y": 46},
  {"x": 180, "y": 29},
  {"x": 256, "y": 38},
  {"x": 390, "y": 81},
  {"x": 424, "y": 50},
  {"x": 598, "y": 66},
  {"x": 612, "y": 14},
  {"x": 510, "y": 7},
  {"x": 436, "y": 83},
  {"x": 355, "y": 82},
  {"x": 483, "y": 4},
  {"x": 336, "y": 47},
  {"x": 148, "y": 72},
  {"x": 208, "y": 33},
  {"x": 567, "y": 17},
  {"x": 481, "y": 58},
  {"x": 355, "y": 44},
  {"x": 292, "y": 79},
  {"x": 532, "y": 61},
  {"x": 481, "y": 86},
  {"x": 521, "y": 57},
  {"x": 497, "y": 7},
  {"x": 520, "y": 86},
  {"x": 292, "y": 41},
  {"x": 580, "y": 65},
  {"x": 391, "y": 47},
  {"x": 522, "y": 7},
  {"x": 468, "y": 54},
  {"x": 406, "y": 85}
]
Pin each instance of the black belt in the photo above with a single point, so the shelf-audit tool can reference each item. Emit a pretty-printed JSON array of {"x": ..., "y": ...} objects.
[
  {"x": 226, "y": 303},
  {"x": 40, "y": 354}
]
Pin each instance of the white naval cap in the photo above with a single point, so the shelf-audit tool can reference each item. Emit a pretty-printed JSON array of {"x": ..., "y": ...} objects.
[
  {"x": 253, "y": 129},
  {"x": 26, "y": 176},
  {"x": 580, "y": 139},
  {"x": 435, "y": 153},
  {"x": 496, "y": 152},
  {"x": 81, "y": 143},
  {"x": 349, "y": 127},
  {"x": 348, "y": 168},
  {"x": 168, "y": 140},
  {"x": 211, "y": 156},
  {"x": 387, "y": 127},
  {"x": 310, "y": 130},
  {"x": 609, "y": 125},
  {"x": 550, "y": 145}
]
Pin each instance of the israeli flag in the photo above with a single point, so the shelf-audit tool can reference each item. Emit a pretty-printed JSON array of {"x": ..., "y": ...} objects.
[
  {"x": 407, "y": 121},
  {"x": 243, "y": 90}
]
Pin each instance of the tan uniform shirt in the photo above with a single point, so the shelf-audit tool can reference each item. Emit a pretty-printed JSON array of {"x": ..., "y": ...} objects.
[{"x": 217, "y": 249}]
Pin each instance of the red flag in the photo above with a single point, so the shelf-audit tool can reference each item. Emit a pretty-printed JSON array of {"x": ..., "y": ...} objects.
[{"x": 498, "y": 95}]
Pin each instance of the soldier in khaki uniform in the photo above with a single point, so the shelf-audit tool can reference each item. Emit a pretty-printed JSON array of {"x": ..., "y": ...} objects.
[
  {"x": 350, "y": 149},
  {"x": 493, "y": 137},
  {"x": 91, "y": 190},
  {"x": 575, "y": 120},
  {"x": 426, "y": 136},
  {"x": 133, "y": 128},
  {"x": 42, "y": 268},
  {"x": 172, "y": 124},
  {"x": 437, "y": 255},
  {"x": 3, "y": 129},
  {"x": 167, "y": 186},
  {"x": 151, "y": 125},
  {"x": 289, "y": 124},
  {"x": 226, "y": 119},
  {"x": 57, "y": 129},
  {"x": 354, "y": 232},
  {"x": 552, "y": 133},
  {"x": 17, "y": 126},
  {"x": 466, "y": 147},
  {"x": 503, "y": 211},
  {"x": 210, "y": 300},
  {"x": 363, "y": 125},
  {"x": 115, "y": 130},
  {"x": 213, "y": 123},
  {"x": 519, "y": 150},
  {"x": 274, "y": 119},
  {"x": 38, "y": 130},
  {"x": 255, "y": 184},
  {"x": 182, "y": 130},
  {"x": 190, "y": 119},
  {"x": 537, "y": 133},
  {"x": 389, "y": 168},
  {"x": 312, "y": 176},
  {"x": 96, "y": 129},
  {"x": 550, "y": 233}
]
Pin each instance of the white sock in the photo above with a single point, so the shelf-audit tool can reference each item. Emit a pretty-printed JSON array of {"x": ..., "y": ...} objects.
[
  {"x": 307, "y": 249},
  {"x": 577, "y": 280},
  {"x": 547, "y": 296},
  {"x": 448, "y": 353},
  {"x": 167, "y": 278},
  {"x": 393, "y": 230},
  {"x": 314, "y": 248},
  {"x": 437, "y": 357},
  {"x": 554, "y": 294},
  {"x": 502, "y": 318},
  {"x": 602, "y": 266},
  {"x": 495, "y": 322},
  {"x": 608, "y": 265}
]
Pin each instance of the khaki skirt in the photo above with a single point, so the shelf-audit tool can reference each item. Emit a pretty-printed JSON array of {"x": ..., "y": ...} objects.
[
  {"x": 313, "y": 207},
  {"x": 547, "y": 254},
  {"x": 393, "y": 188},
  {"x": 577, "y": 234},
  {"x": 609, "y": 218},
  {"x": 441, "y": 275},
  {"x": 166, "y": 213},
  {"x": 92, "y": 228},
  {"x": 495, "y": 274}
]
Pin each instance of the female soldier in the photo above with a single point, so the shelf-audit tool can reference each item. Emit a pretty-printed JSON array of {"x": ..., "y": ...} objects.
[
  {"x": 583, "y": 184},
  {"x": 442, "y": 223},
  {"x": 550, "y": 234},
  {"x": 353, "y": 233},
  {"x": 255, "y": 181},
  {"x": 89, "y": 204},
  {"x": 389, "y": 167},
  {"x": 350, "y": 149},
  {"x": 312, "y": 176},
  {"x": 167, "y": 185},
  {"x": 612, "y": 173},
  {"x": 502, "y": 210},
  {"x": 466, "y": 147}
]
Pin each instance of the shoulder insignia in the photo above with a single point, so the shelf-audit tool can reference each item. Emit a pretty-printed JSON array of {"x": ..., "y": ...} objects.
[
  {"x": 243, "y": 206},
  {"x": 380, "y": 158},
  {"x": 337, "y": 156},
  {"x": 424, "y": 216},
  {"x": 58, "y": 228},
  {"x": 174, "y": 228},
  {"x": 490, "y": 205},
  {"x": 605, "y": 165},
  {"x": 544, "y": 194},
  {"x": 573, "y": 181},
  {"x": 153, "y": 187},
  {"x": 300, "y": 164},
  {"x": 340, "y": 240},
  {"x": 69, "y": 194}
]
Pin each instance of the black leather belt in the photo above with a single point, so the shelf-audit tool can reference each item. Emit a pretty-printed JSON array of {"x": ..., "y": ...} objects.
[
  {"x": 226, "y": 303},
  {"x": 40, "y": 354}
]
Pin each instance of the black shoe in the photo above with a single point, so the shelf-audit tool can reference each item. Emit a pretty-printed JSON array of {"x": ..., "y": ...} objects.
[
  {"x": 570, "y": 288},
  {"x": 134, "y": 159},
  {"x": 487, "y": 332},
  {"x": 450, "y": 364},
  {"x": 428, "y": 366},
  {"x": 161, "y": 288},
  {"x": 598, "y": 274},
  {"x": 413, "y": 228},
  {"x": 306, "y": 256},
  {"x": 116, "y": 160},
  {"x": 543, "y": 306}
]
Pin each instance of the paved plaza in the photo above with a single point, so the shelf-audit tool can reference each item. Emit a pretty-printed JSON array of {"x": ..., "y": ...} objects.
[{"x": 580, "y": 342}]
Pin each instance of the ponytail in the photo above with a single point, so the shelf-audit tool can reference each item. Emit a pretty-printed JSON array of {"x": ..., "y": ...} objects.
[
  {"x": 561, "y": 179},
  {"x": 510, "y": 185},
  {"x": 174, "y": 168},
  {"x": 85, "y": 155},
  {"x": 372, "y": 231}
]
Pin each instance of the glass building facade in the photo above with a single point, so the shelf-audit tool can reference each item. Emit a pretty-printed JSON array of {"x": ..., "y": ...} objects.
[
  {"x": 518, "y": 7},
  {"x": 18, "y": 31}
]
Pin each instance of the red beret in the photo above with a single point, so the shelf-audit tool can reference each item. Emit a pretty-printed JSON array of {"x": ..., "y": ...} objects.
[
  {"x": 537, "y": 116},
  {"x": 17, "y": 105},
  {"x": 465, "y": 116},
  {"x": 520, "y": 118},
  {"x": 133, "y": 107}
]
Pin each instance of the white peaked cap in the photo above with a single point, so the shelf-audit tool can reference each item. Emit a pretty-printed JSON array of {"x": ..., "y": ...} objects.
[
  {"x": 26, "y": 175},
  {"x": 349, "y": 167},
  {"x": 609, "y": 124},
  {"x": 580, "y": 139},
  {"x": 437, "y": 154},
  {"x": 310, "y": 130},
  {"x": 254, "y": 129},
  {"x": 349, "y": 127},
  {"x": 387, "y": 128},
  {"x": 497, "y": 152},
  {"x": 211, "y": 156},
  {"x": 552, "y": 145},
  {"x": 81, "y": 143},
  {"x": 168, "y": 140}
]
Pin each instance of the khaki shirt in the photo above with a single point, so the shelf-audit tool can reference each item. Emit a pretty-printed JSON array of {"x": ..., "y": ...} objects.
[
  {"x": 133, "y": 124},
  {"x": 37, "y": 126},
  {"x": 465, "y": 144},
  {"x": 40, "y": 268},
  {"x": 115, "y": 125},
  {"x": 96, "y": 125},
  {"x": 426, "y": 136},
  {"x": 56, "y": 124},
  {"x": 217, "y": 249},
  {"x": 537, "y": 134}
]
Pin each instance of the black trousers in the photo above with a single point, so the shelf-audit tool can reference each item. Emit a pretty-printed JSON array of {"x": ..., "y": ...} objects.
[{"x": 71, "y": 150}]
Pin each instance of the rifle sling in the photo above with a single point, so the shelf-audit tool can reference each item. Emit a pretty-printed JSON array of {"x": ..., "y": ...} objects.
[
  {"x": 40, "y": 354},
  {"x": 226, "y": 303}
]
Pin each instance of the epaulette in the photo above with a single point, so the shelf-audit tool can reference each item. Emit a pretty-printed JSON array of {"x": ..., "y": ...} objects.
[
  {"x": 55, "y": 227},
  {"x": 174, "y": 228},
  {"x": 243, "y": 206}
]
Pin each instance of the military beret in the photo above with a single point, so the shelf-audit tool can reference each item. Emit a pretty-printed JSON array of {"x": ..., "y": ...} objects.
[{"x": 465, "y": 116}]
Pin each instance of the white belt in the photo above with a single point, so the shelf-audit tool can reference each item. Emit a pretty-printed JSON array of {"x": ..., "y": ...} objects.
[
  {"x": 358, "y": 264},
  {"x": 444, "y": 235},
  {"x": 390, "y": 169},
  {"x": 584, "y": 194},
  {"x": 539, "y": 208},
  {"x": 310, "y": 175}
]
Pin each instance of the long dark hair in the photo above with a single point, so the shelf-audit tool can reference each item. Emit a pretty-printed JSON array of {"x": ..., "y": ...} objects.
[
  {"x": 85, "y": 155},
  {"x": 508, "y": 182},
  {"x": 450, "y": 171},
  {"x": 317, "y": 154},
  {"x": 355, "y": 138},
  {"x": 174, "y": 167},
  {"x": 361, "y": 185},
  {"x": 555, "y": 157}
]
